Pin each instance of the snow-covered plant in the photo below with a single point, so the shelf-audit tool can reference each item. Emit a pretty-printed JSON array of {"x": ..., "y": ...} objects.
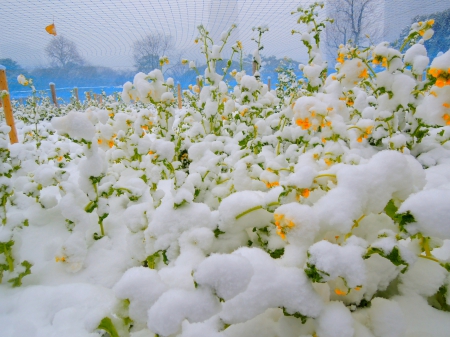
[{"x": 320, "y": 212}]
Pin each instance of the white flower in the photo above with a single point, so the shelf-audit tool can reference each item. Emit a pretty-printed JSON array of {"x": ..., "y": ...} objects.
[{"x": 22, "y": 80}]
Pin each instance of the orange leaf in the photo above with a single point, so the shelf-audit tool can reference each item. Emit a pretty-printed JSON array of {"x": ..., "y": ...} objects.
[{"x": 51, "y": 29}]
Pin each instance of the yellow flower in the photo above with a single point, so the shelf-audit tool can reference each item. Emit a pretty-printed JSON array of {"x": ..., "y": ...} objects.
[
  {"x": 184, "y": 61},
  {"x": 283, "y": 225},
  {"x": 364, "y": 74}
]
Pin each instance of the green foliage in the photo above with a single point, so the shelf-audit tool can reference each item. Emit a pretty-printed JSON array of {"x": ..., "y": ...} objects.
[
  {"x": 277, "y": 253},
  {"x": 151, "y": 260},
  {"x": 218, "y": 232},
  {"x": 303, "y": 318},
  {"x": 394, "y": 256},
  {"x": 314, "y": 274},
  {"x": 6, "y": 250},
  {"x": 107, "y": 325},
  {"x": 401, "y": 219},
  {"x": 439, "y": 300},
  {"x": 17, "y": 281}
]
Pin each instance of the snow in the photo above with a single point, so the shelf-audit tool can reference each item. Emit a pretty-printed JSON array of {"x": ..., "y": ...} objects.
[{"x": 321, "y": 210}]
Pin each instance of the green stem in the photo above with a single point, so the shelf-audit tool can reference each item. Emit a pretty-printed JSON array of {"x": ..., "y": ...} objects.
[
  {"x": 325, "y": 175},
  {"x": 429, "y": 258},
  {"x": 248, "y": 211}
]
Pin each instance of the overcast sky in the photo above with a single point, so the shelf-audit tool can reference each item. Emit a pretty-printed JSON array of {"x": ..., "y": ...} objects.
[{"x": 104, "y": 30}]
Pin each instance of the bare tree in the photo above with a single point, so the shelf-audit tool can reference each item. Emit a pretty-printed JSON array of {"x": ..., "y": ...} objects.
[
  {"x": 63, "y": 52},
  {"x": 147, "y": 51},
  {"x": 353, "y": 20}
]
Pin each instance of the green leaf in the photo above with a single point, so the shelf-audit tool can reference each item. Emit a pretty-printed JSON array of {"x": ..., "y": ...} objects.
[
  {"x": 107, "y": 325},
  {"x": 277, "y": 253},
  {"x": 314, "y": 274},
  {"x": 184, "y": 202},
  {"x": 17, "y": 281},
  {"x": 394, "y": 256},
  {"x": 401, "y": 219},
  {"x": 391, "y": 209},
  {"x": 218, "y": 232},
  {"x": 296, "y": 315}
]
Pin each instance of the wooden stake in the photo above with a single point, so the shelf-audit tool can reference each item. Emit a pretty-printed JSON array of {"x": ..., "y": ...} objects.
[
  {"x": 100, "y": 99},
  {"x": 75, "y": 92},
  {"x": 268, "y": 82},
  {"x": 254, "y": 67},
  {"x": 7, "y": 107},
  {"x": 179, "y": 96},
  {"x": 88, "y": 96},
  {"x": 53, "y": 90}
]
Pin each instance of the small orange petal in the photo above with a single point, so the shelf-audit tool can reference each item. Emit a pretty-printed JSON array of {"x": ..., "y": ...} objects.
[{"x": 340, "y": 292}]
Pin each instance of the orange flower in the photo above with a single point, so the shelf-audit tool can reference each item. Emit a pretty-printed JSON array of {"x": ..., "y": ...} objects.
[
  {"x": 111, "y": 143},
  {"x": 434, "y": 72},
  {"x": 305, "y": 193},
  {"x": 446, "y": 105},
  {"x": 144, "y": 127},
  {"x": 340, "y": 292},
  {"x": 60, "y": 158},
  {"x": 99, "y": 141},
  {"x": 446, "y": 118},
  {"x": 364, "y": 74},
  {"x": 440, "y": 82},
  {"x": 270, "y": 185},
  {"x": 433, "y": 93},
  {"x": 283, "y": 225},
  {"x": 304, "y": 124}
]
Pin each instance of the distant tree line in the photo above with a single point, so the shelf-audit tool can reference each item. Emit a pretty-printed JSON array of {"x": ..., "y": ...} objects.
[{"x": 68, "y": 69}]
